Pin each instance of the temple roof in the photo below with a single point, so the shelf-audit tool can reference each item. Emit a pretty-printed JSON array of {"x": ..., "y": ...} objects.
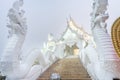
[{"x": 68, "y": 34}]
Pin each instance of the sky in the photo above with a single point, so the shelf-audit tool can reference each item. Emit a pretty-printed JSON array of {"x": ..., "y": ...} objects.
[{"x": 49, "y": 16}]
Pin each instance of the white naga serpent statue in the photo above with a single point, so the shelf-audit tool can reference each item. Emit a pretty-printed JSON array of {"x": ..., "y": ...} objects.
[
  {"x": 13, "y": 65},
  {"x": 105, "y": 63}
]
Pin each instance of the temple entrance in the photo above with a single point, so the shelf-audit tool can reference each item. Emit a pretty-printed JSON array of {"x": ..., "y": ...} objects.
[
  {"x": 75, "y": 49},
  {"x": 71, "y": 50}
]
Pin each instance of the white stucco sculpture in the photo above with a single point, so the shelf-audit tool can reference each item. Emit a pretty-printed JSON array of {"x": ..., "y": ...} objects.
[
  {"x": 49, "y": 48},
  {"x": 108, "y": 59},
  {"x": 13, "y": 65},
  {"x": 102, "y": 60}
]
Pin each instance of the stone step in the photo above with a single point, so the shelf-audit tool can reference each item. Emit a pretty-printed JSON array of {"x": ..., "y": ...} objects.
[
  {"x": 68, "y": 69},
  {"x": 72, "y": 75},
  {"x": 67, "y": 79}
]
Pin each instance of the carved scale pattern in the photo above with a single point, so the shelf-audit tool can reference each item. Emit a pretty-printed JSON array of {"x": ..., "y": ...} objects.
[{"x": 115, "y": 33}]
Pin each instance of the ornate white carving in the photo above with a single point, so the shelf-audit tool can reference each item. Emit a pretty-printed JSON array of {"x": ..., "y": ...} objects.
[
  {"x": 13, "y": 64},
  {"x": 49, "y": 48},
  {"x": 103, "y": 41},
  {"x": 17, "y": 20},
  {"x": 99, "y": 15}
]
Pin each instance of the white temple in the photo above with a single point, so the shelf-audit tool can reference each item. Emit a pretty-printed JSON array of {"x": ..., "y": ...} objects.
[{"x": 95, "y": 51}]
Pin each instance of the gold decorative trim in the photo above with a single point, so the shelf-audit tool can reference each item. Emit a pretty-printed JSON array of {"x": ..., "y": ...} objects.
[{"x": 115, "y": 33}]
